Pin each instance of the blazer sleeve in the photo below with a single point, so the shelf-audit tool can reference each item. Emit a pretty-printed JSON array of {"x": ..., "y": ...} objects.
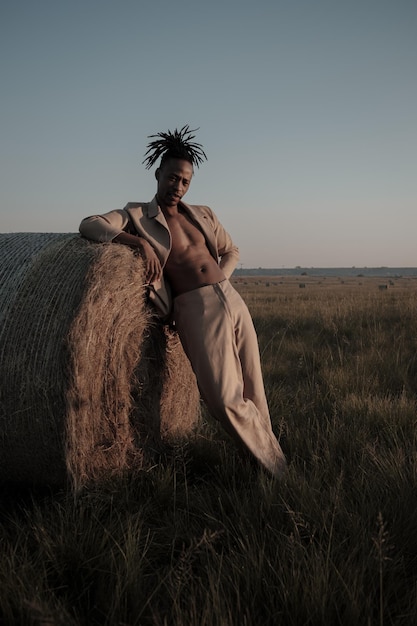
[
  {"x": 228, "y": 252},
  {"x": 104, "y": 227}
]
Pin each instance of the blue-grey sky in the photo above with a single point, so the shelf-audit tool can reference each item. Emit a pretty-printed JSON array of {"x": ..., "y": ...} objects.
[{"x": 307, "y": 111}]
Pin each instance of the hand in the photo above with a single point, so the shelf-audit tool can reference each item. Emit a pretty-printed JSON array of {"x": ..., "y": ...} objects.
[{"x": 153, "y": 269}]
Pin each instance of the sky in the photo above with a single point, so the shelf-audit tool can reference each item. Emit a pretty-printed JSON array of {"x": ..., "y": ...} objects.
[{"x": 307, "y": 111}]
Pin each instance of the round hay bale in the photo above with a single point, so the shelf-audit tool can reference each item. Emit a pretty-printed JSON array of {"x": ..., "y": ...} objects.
[{"x": 90, "y": 379}]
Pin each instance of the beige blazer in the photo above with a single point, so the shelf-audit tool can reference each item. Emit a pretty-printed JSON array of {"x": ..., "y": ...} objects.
[{"x": 149, "y": 222}]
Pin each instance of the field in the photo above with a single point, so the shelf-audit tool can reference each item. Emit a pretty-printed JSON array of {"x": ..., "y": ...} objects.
[{"x": 202, "y": 539}]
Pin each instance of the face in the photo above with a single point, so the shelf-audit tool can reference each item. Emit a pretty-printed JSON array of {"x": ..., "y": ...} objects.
[{"x": 174, "y": 178}]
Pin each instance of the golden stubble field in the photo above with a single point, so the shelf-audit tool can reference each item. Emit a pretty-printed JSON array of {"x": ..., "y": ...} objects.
[
  {"x": 350, "y": 339},
  {"x": 335, "y": 287}
]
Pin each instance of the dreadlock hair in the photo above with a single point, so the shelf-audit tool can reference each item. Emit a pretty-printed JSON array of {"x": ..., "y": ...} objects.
[{"x": 176, "y": 145}]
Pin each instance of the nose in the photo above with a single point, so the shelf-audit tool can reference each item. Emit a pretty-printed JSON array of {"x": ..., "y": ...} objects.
[{"x": 178, "y": 188}]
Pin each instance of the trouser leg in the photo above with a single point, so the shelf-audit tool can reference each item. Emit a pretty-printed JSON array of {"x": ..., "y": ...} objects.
[{"x": 217, "y": 334}]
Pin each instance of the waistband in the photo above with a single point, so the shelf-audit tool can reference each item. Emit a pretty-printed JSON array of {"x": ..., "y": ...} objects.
[{"x": 219, "y": 282}]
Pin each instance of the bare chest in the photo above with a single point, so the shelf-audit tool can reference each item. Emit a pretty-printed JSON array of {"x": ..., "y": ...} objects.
[{"x": 184, "y": 233}]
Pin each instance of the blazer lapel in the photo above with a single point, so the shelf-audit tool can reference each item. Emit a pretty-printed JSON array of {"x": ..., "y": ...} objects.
[
  {"x": 150, "y": 224},
  {"x": 202, "y": 221},
  {"x": 154, "y": 212}
]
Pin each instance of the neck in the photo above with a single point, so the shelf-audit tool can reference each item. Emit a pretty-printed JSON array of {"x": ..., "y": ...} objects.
[{"x": 172, "y": 209}]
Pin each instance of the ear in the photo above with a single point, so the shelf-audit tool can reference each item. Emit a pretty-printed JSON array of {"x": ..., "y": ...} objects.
[{"x": 157, "y": 173}]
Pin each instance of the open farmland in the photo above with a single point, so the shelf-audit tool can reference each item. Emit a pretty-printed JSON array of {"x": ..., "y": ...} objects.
[{"x": 202, "y": 539}]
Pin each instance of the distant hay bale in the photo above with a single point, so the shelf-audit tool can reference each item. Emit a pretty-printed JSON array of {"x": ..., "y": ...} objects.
[{"x": 91, "y": 381}]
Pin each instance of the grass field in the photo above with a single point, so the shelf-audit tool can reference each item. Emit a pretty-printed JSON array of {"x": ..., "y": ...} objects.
[{"x": 202, "y": 539}]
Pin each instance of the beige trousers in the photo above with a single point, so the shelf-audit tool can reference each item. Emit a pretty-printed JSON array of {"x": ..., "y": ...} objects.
[{"x": 218, "y": 336}]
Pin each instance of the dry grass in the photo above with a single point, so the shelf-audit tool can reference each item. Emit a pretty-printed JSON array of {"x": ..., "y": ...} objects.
[{"x": 202, "y": 539}]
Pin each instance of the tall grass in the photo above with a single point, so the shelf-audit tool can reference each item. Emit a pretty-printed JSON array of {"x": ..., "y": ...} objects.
[{"x": 201, "y": 538}]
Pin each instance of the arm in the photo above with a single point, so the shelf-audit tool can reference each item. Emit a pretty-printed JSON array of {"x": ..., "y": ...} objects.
[
  {"x": 116, "y": 226},
  {"x": 104, "y": 227},
  {"x": 228, "y": 252},
  {"x": 152, "y": 264},
  {"x": 229, "y": 260}
]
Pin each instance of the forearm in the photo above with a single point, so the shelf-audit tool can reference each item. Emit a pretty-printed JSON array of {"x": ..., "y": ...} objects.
[
  {"x": 228, "y": 262},
  {"x": 133, "y": 241}
]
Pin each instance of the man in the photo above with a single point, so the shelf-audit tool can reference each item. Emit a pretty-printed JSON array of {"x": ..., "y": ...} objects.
[{"x": 189, "y": 258}]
